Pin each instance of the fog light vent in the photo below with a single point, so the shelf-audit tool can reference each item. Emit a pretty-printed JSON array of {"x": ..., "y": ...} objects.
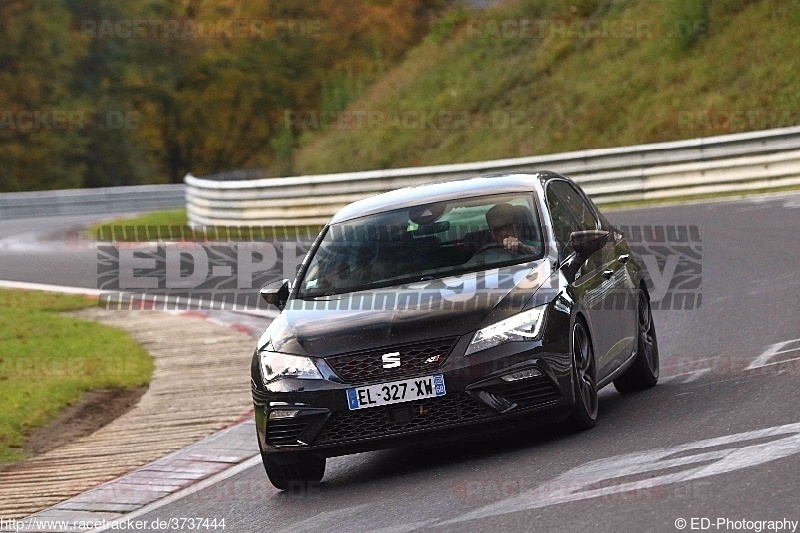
[
  {"x": 278, "y": 414},
  {"x": 521, "y": 374}
]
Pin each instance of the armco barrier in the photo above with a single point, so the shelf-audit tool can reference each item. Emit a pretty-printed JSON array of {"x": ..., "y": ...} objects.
[
  {"x": 739, "y": 162},
  {"x": 728, "y": 163},
  {"x": 106, "y": 200}
]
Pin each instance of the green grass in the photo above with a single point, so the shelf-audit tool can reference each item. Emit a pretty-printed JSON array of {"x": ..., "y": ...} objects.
[
  {"x": 690, "y": 198},
  {"x": 159, "y": 218},
  {"x": 49, "y": 360},
  {"x": 683, "y": 71},
  {"x": 173, "y": 225},
  {"x": 171, "y": 217}
]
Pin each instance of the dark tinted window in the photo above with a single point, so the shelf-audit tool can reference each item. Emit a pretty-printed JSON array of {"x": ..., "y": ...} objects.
[
  {"x": 564, "y": 222},
  {"x": 583, "y": 214},
  {"x": 424, "y": 242}
]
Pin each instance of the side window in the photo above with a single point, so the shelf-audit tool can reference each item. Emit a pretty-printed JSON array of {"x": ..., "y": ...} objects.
[
  {"x": 563, "y": 221},
  {"x": 575, "y": 203}
]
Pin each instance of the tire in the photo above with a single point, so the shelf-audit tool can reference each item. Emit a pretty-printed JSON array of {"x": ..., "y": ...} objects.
[
  {"x": 583, "y": 415},
  {"x": 643, "y": 373},
  {"x": 293, "y": 471}
]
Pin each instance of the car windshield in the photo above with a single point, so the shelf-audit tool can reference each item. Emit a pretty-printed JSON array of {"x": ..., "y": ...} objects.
[{"x": 423, "y": 242}]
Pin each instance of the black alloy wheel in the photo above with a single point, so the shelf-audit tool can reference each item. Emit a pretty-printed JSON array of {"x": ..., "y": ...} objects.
[
  {"x": 584, "y": 413},
  {"x": 644, "y": 371}
]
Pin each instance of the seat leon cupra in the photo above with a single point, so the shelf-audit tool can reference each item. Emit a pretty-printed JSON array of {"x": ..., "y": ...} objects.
[{"x": 444, "y": 310}]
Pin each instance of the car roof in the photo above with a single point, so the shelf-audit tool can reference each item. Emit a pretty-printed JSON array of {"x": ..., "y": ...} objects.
[{"x": 440, "y": 191}]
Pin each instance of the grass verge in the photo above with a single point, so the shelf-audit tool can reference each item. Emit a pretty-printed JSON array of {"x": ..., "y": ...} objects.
[
  {"x": 49, "y": 360},
  {"x": 173, "y": 225},
  {"x": 696, "y": 198},
  {"x": 169, "y": 217}
]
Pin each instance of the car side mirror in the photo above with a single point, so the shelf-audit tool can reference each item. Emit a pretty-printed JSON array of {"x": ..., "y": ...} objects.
[
  {"x": 587, "y": 242},
  {"x": 276, "y": 293}
]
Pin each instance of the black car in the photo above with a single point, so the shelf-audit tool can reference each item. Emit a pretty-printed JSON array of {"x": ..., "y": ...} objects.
[{"x": 447, "y": 309}]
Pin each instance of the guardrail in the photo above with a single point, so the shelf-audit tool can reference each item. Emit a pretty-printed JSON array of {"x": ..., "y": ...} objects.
[
  {"x": 105, "y": 200},
  {"x": 738, "y": 162}
]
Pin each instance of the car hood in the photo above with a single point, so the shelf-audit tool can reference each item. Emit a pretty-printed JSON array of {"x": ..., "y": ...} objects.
[{"x": 443, "y": 307}]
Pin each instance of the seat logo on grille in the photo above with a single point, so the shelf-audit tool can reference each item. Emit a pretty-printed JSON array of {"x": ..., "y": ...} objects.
[{"x": 391, "y": 360}]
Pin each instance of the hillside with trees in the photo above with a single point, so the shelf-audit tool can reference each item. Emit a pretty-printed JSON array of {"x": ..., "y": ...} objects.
[
  {"x": 96, "y": 93},
  {"x": 535, "y": 77}
]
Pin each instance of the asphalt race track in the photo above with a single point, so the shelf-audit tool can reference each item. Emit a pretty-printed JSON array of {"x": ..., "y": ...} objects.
[
  {"x": 718, "y": 438},
  {"x": 48, "y": 250}
]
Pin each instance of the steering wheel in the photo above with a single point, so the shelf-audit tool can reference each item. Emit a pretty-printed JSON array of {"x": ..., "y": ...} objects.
[{"x": 493, "y": 245}]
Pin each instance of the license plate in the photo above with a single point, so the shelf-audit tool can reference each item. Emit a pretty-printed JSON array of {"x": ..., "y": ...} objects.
[{"x": 404, "y": 390}]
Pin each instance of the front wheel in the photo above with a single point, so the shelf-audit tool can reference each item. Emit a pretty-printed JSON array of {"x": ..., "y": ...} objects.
[
  {"x": 643, "y": 373},
  {"x": 293, "y": 471},
  {"x": 584, "y": 375}
]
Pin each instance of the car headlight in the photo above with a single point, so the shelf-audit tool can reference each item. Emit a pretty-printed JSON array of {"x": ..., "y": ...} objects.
[
  {"x": 276, "y": 365},
  {"x": 524, "y": 326}
]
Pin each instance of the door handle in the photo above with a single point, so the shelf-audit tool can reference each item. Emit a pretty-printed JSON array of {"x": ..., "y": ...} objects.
[
  {"x": 608, "y": 273},
  {"x": 624, "y": 258}
]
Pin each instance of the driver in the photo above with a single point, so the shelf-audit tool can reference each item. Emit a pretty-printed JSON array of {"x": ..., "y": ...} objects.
[{"x": 505, "y": 223}]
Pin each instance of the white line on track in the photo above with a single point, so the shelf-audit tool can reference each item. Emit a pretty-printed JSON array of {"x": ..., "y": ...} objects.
[{"x": 173, "y": 304}]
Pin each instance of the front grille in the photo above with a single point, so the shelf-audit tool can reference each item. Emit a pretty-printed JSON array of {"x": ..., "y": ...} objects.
[
  {"x": 344, "y": 426},
  {"x": 284, "y": 432},
  {"x": 367, "y": 365},
  {"x": 527, "y": 392}
]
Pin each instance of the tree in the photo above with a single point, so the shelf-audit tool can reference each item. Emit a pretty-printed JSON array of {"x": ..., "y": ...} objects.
[
  {"x": 151, "y": 91},
  {"x": 40, "y": 118}
]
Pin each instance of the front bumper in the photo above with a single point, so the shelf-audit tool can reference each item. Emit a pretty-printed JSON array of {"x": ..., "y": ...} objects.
[{"x": 477, "y": 399}]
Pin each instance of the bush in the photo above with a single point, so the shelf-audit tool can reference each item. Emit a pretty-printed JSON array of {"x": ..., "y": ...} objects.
[
  {"x": 732, "y": 6},
  {"x": 687, "y": 22}
]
